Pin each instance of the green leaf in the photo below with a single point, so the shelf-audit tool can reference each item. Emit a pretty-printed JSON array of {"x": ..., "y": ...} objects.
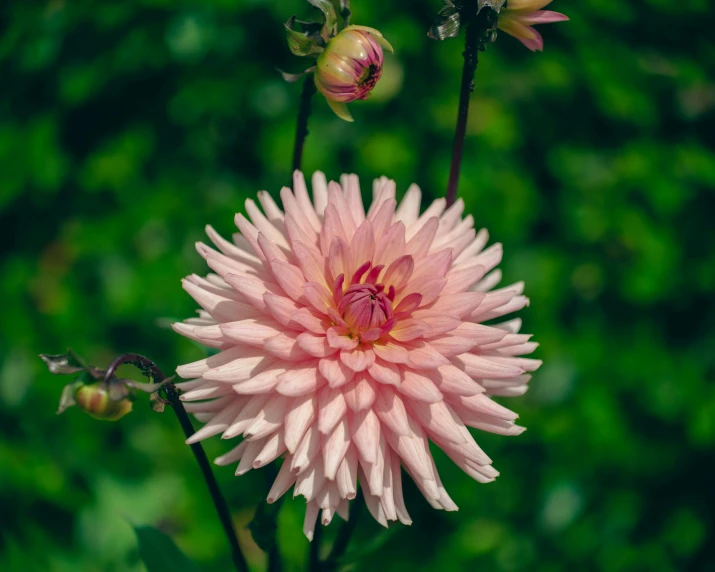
[
  {"x": 159, "y": 553},
  {"x": 331, "y": 18},
  {"x": 300, "y": 44},
  {"x": 62, "y": 364}
]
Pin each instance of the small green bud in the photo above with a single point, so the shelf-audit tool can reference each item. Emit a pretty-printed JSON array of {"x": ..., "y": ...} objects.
[{"x": 95, "y": 400}]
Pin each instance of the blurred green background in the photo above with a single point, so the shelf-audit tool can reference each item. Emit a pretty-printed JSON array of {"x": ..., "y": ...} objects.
[{"x": 126, "y": 126}]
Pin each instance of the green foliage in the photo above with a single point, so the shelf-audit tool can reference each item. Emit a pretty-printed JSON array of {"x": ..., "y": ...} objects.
[
  {"x": 159, "y": 553},
  {"x": 125, "y": 127}
]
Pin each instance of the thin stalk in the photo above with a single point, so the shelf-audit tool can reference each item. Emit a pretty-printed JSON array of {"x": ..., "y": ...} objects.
[
  {"x": 471, "y": 59},
  {"x": 344, "y": 535},
  {"x": 301, "y": 131},
  {"x": 149, "y": 368},
  {"x": 275, "y": 563},
  {"x": 314, "y": 563}
]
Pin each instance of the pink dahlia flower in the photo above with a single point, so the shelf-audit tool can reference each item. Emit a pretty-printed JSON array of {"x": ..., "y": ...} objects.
[
  {"x": 519, "y": 17},
  {"x": 350, "y": 340}
]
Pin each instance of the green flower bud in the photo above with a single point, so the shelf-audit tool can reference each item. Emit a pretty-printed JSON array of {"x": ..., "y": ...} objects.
[{"x": 95, "y": 400}]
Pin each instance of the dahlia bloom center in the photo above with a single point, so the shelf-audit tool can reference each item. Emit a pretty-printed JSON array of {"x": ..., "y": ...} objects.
[{"x": 364, "y": 309}]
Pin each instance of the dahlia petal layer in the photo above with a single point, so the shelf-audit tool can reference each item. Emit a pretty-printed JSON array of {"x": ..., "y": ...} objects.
[{"x": 349, "y": 340}]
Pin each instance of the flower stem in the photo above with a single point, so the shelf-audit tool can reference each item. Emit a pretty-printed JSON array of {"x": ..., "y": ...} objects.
[
  {"x": 314, "y": 563},
  {"x": 344, "y": 535},
  {"x": 275, "y": 563},
  {"x": 471, "y": 60},
  {"x": 150, "y": 369},
  {"x": 301, "y": 131},
  {"x": 345, "y": 12}
]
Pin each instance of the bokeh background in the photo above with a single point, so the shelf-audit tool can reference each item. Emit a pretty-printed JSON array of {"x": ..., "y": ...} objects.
[{"x": 125, "y": 127}]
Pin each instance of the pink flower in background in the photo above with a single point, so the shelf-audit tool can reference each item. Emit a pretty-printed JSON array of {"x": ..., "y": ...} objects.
[
  {"x": 350, "y": 66},
  {"x": 519, "y": 17},
  {"x": 349, "y": 340}
]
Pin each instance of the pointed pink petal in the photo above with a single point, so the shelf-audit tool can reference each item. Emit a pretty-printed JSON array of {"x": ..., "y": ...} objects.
[
  {"x": 311, "y": 263},
  {"x": 338, "y": 338},
  {"x": 391, "y": 411},
  {"x": 409, "y": 209},
  {"x": 358, "y": 359},
  {"x": 419, "y": 387},
  {"x": 450, "y": 346},
  {"x": 390, "y": 245},
  {"x": 422, "y": 355},
  {"x": 332, "y": 229},
  {"x": 409, "y": 329},
  {"x": 419, "y": 245},
  {"x": 543, "y": 17},
  {"x": 308, "y": 319},
  {"x": 485, "y": 367},
  {"x": 346, "y": 478},
  {"x": 332, "y": 407},
  {"x": 339, "y": 259},
  {"x": 316, "y": 346},
  {"x": 362, "y": 247},
  {"x": 399, "y": 272},
  {"x": 438, "y": 420},
  {"x": 284, "y": 481},
  {"x": 251, "y": 332},
  {"x": 298, "y": 382},
  {"x": 385, "y": 372},
  {"x": 435, "y": 264},
  {"x": 360, "y": 394},
  {"x": 335, "y": 447},
  {"x": 451, "y": 379},
  {"x": 438, "y": 322},
  {"x": 365, "y": 431},
  {"x": 335, "y": 371},
  {"x": 382, "y": 218},
  {"x": 300, "y": 191},
  {"x": 298, "y": 419},
  {"x": 391, "y": 352},
  {"x": 285, "y": 346}
]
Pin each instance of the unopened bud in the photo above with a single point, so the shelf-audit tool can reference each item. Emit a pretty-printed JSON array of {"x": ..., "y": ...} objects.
[
  {"x": 350, "y": 66},
  {"x": 95, "y": 400}
]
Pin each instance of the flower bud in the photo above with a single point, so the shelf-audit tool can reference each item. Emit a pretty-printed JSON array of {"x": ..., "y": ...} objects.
[
  {"x": 95, "y": 400},
  {"x": 350, "y": 66}
]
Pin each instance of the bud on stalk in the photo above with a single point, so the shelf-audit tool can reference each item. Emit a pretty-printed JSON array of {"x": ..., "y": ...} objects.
[{"x": 350, "y": 66}]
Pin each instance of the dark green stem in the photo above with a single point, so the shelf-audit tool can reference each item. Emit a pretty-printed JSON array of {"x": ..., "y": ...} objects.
[
  {"x": 301, "y": 131},
  {"x": 314, "y": 563},
  {"x": 471, "y": 60},
  {"x": 275, "y": 564},
  {"x": 344, "y": 535},
  {"x": 150, "y": 369}
]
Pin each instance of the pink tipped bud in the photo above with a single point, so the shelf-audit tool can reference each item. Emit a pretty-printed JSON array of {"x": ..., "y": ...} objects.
[{"x": 350, "y": 66}]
